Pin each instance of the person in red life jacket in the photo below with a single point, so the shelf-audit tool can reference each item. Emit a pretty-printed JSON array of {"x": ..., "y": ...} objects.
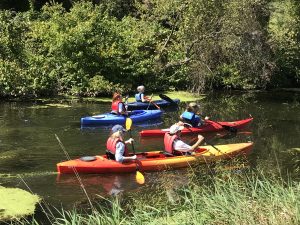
[
  {"x": 173, "y": 143},
  {"x": 117, "y": 106},
  {"x": 191, "y": 115},
  {"x": 140, "y": 97},
  {"x": 116, "y": 146}
]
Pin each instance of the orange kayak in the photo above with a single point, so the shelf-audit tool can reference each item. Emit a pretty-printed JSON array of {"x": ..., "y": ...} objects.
[{"x": 154, "y": 161}]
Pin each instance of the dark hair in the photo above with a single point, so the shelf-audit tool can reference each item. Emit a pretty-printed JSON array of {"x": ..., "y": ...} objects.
[
  {"x": 116, "y": 95},
  {"x": 189, "y": 109}
]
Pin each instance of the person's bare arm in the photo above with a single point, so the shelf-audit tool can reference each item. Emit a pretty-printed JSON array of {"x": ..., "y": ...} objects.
[{"x": 199, "y": 141}]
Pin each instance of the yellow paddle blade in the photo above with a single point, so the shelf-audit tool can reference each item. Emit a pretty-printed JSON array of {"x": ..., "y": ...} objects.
[
  {"x": 128, "y": 123},
  {"x": 140, "y": 179}
]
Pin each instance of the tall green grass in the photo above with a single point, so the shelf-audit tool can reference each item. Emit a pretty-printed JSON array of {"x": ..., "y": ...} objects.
[{"x": 224, "y": 200}]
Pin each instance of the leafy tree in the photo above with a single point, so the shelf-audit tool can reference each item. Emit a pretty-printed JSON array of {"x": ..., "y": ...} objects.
[
  {"x": 71, "y": 43},
  {"x": 87, "y": 42},
  {"x": 14, "y": 78},
  {"x": 284, "y": 31},
  {"x": 171, "y": 50},
  {"x": 93, "y": 47},
  {"x": 229, "y": 44}
]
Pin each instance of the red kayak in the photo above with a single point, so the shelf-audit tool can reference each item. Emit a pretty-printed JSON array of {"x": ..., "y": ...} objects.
[{"x": 209, "y": 126}]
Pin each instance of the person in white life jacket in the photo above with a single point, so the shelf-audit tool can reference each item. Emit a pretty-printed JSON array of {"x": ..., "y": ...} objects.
[
  {"x": 173, "y": 143},
  {"x": 117, "y": 106},
  {"x": 116, "y": 147},
  {"x": 140, "y": 96},
  {"x": 190, "y": 115}
]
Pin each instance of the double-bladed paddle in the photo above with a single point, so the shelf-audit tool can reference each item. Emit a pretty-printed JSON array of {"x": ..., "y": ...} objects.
[
  {"x": 140, "y": 179},
  {"x": 168, "y": 99},
  {"x": 150, "y": 101},
  {"x": 187, "y": 125},
  {"x": 226, "y": 127}
]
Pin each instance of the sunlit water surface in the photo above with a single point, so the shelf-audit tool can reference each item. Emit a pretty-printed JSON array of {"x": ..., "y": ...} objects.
[{"x": 29, "y": 150}]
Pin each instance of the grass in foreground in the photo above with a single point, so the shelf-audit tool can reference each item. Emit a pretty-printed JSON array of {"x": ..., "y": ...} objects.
[{"x": 226, "y": 200}]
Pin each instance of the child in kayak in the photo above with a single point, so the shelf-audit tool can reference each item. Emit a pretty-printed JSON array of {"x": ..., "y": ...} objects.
[
  {"x": 117, "y": 106},
  {"x": 140, "y": 97},
  {"x": 190, "y": 115},
  {"x": 173, "y": 143},
  {"x": 116, "y": 146}
]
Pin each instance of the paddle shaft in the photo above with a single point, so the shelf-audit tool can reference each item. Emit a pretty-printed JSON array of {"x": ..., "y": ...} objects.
[
  {"x": 229, "y": 128},
  {"x": 139, "y": 176},
  {"x": 206, "y": 141},
  {"x": 136, "y": 161},
  {"x": 154, "y": 104},
  {"x": 150, "y": 101},
  {"x": 212, "y": 145},
  {"x": 130, "y": 134}
]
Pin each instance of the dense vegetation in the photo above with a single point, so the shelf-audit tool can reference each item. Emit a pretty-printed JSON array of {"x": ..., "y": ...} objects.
[
  {"x": 226, "y": 199},
  {"x": 91, "y": 48}
]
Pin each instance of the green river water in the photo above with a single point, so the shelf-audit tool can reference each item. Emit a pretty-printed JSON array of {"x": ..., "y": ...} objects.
[{"x": 29, "y": 149}]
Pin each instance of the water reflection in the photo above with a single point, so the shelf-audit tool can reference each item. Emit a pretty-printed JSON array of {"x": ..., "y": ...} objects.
[
  {"x": 28, "y": 144},
  {"x": 101, "y": 184}
]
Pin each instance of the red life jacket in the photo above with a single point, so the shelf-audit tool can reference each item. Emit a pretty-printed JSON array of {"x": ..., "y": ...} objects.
[
  {"x": 112, "y": 143},
  {"x": 115, "y": 106},
  {"x": 168, "y": 141}
]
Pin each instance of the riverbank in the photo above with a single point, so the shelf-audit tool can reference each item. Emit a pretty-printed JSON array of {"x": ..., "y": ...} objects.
[
  {"x": 224, "y": 199},
  {"x": 184, "y": 96}
]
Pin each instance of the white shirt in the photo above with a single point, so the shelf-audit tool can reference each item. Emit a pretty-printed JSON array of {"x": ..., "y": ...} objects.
[
  {"x": 120, "y": 149},
  {"x": 179, "y": 145}
]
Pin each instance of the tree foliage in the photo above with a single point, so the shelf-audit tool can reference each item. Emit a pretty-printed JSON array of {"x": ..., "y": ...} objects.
[
  {"x": 229, "y": 44},
  {"x": 284, "y": 30},
  {"x": 92, "y": 48}
]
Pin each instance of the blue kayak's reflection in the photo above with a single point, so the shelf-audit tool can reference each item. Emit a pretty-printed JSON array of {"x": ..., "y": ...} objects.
[{"x": 104, "y": 184}]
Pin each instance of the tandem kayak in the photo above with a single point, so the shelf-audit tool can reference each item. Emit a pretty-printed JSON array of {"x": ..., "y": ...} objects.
[
  {"x": 154, "y": 161},
  {"x": 147, "y": 105},
  {"x": 209, "y": 126},
  {"x": 110, "y": 118}
]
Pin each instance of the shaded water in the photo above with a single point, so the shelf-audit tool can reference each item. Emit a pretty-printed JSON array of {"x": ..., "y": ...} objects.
[{"x": 28, "y": 146}]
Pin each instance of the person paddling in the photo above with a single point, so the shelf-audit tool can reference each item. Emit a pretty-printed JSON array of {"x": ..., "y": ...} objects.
[
  {"x": 116, "y": 146},
  {"x": 190, "y": 115},
  {"x": 173, "y": 143},
  {"x": 140, "y": 96},
  {"x": 117, "y": 106}
]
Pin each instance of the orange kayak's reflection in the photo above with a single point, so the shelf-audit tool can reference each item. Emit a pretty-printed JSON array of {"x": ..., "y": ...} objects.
[{"x": 105, "y": 184}]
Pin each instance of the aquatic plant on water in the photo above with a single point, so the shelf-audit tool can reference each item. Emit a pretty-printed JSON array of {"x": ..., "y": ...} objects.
[{"x": 16, "y": 203}]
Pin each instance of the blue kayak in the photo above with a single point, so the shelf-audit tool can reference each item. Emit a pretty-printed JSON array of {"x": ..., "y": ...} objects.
[
  {"x": 110, "y": 118},
  {"x": 146, "y": 105}
]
